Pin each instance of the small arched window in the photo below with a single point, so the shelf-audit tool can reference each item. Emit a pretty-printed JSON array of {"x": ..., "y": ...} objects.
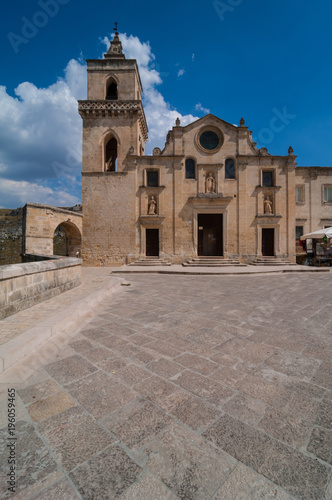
[
  {"x": 112, "y": 91},
  {"x": 111, "y": 154},
  {"x": 229, "y": 169},
  {"x": 190, "y": 168}
]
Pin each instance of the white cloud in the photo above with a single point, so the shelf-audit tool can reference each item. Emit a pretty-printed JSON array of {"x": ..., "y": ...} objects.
[
  {"x": 40, "y": 125},
  {"x": 199, "y": 107},
  {"x": 159, "y": 114},
  {"x": 193, "y": 57},
  {"x": 181, "y": 72},
  {"x": 40, "y": 130},
  {"x": 18, "y": 193}
]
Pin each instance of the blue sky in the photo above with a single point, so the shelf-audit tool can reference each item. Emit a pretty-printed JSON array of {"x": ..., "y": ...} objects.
[{"x": 269, "y": 62}]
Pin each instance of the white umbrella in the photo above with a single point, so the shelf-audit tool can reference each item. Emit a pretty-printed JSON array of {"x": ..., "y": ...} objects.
[{"x": 318, "y": 234}]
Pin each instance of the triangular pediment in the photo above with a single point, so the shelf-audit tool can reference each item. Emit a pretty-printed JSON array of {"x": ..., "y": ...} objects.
[{"x": 208, "y": 120}]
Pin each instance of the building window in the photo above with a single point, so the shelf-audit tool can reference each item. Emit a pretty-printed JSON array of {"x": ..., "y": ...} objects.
[
  {"x": 190, "y": 168},
  {"x": 229, "y": 169},
  {"x": 112, "y": 92},
  {"x": 152, "y": 178},
  {"x": 327, "y": 194},
  {"x": 111, "y": 154},
  {"x": 209, "y": 139},
  {"x": 299, "y": 194},
  {"x": 298, "y": 232},
  {"x": 267, "y": 178}
]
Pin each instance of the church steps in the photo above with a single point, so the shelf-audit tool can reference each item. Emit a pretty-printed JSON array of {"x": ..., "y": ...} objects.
[
  {"x": 212, "y": 262},
  {"x": 150, "y": 261},
  {"x": 271, "y": 261}
]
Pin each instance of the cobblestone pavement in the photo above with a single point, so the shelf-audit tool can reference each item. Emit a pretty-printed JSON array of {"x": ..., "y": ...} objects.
[{"x": 193, "y": 387}]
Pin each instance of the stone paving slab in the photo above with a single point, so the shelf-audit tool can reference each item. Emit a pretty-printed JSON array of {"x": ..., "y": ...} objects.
[
  {"x": 26, "y": 330},
  {"x": 206, "y": 390},
  {"x": 229, "y": 270}
]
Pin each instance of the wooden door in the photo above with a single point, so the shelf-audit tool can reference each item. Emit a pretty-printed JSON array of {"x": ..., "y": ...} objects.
[
  {"x": 210, "y": 235},
  {"x": 152, "y": 242},
  {"x": 268, "y": 242}
]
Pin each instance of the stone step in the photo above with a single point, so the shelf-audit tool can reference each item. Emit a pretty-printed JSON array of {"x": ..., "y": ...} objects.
[
  {"x": 150, "y": 261},
  {"x": 271, "y": 261},
  {"x": 212, "y": 262}
]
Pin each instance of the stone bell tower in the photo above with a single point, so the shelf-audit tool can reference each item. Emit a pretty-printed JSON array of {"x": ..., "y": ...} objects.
[{"x": 114, "y": 126}]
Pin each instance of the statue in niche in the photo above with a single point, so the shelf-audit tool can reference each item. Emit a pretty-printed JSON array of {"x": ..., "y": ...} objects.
[
  {"x": 268, "y": 207},
  {"x": 152, "y": 205},
  {"x": 210, "y": 183}
]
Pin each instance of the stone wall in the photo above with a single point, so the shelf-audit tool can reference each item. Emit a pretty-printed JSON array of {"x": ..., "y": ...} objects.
[
  {"x": 24, "y": 285},
  {"x": 116, "y": 217},
  {"x": 41, "y": 221},
  {"x": 313, "y": 213},
  {"x": 10, "y": 236}
]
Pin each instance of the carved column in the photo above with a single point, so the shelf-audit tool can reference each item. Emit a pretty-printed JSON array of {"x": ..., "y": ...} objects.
[
  {"x": 291, "y": 204},
  {"x": 177, "y": 206},
  {"x": 242, "y": 208}
]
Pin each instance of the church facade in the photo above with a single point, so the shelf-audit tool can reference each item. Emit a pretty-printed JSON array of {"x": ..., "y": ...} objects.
[{"x": 208, "y": 193}]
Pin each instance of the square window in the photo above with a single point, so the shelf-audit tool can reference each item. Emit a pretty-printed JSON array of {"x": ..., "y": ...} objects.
[
  {"x": 328, "y": 194},
  {"x": 152, "y": 178},
  {"x": 299, "y": 194},
  {"x": 229, "y": 169},
  {"x": 267, "y": 178},
  {"x": 299, "y": 232},
  {"x": 190, "y": 168}
]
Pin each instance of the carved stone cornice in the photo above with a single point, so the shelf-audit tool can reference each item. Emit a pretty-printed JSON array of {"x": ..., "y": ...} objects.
[
  {"x": 105, "y": 108},
  {"x": 268, "y": 218},
  {"x": 268, "y": 188},
  {"x": 154, "y": 220},
  {"x": 151, "y": 188},
  {"x": 242, "y": 165},
  {"x": 104, "y": 173},
  {"x": 210, "y": 199}
]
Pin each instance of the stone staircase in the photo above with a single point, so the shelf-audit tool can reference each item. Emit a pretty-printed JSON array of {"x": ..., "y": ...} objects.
[
  {"x": 150, "y": 261},
  {"x": 271, "y": 261},
  {"x": 212, "y": 262}
]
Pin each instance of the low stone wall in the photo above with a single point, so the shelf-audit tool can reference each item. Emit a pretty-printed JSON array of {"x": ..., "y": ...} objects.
[{"x": 24, "y": 285}]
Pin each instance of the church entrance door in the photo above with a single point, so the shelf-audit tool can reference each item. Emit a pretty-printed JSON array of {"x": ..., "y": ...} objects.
[
  {"x": 210, "y": 235},
  {"x": 267, "y": 242},
  {"x": 152, "y": 242}
]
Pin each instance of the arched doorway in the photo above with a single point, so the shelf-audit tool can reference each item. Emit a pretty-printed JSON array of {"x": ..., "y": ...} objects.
[{"x": 67, "y": 240}]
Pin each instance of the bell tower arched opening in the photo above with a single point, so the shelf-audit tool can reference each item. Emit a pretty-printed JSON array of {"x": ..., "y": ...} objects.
[
  {"x": 112, "y": 91},
  {"x": 111, "y": 155}
]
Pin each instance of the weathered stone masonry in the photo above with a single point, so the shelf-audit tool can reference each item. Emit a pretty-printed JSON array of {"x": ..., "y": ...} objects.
[{"x": 214, "y": 192}]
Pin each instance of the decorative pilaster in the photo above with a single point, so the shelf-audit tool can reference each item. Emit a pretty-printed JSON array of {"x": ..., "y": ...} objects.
[{"x": 242, "y": 208}]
